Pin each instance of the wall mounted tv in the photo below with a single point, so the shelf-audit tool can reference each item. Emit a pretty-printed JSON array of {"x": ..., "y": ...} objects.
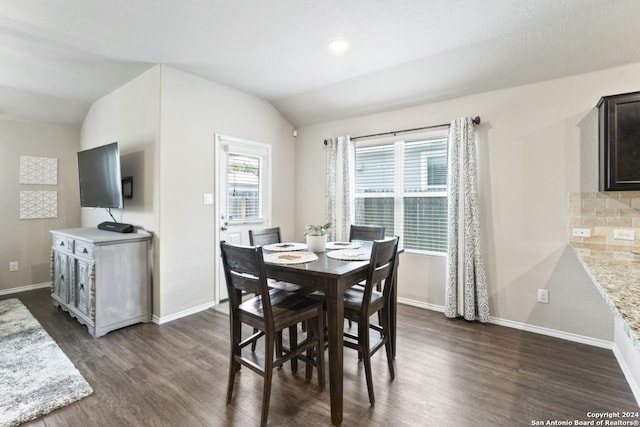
[{"x": 99, "y": 176}]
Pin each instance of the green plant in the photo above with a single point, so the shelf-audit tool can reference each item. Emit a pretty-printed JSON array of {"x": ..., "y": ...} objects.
[{"x": 317, "y": 230}]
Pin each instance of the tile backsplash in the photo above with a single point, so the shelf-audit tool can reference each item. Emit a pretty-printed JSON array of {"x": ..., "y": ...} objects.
[{"x": 604, "y": 212}]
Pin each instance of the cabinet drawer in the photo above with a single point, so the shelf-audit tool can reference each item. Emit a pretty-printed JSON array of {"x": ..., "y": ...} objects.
[
  {"x": 63, "y": 243},
  {"x": 83, "y": 248}
]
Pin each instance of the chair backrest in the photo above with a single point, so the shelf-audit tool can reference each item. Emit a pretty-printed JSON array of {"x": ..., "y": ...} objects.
[
  {"x": 382, "y": 269},
  {"x": 244, "y": 272},
  {"x": 265, "y": 236},
  {"x": 366, "y": 232}
]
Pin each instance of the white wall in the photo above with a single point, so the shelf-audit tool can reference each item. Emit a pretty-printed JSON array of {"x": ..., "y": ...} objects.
[
  {"x": 537, "y": 143},
  {"x": 131, "y": 116},
  {"x": 193, "y": 110},
  {"x": 164, "y": 122},
  {"x": 29, "y": 241}
]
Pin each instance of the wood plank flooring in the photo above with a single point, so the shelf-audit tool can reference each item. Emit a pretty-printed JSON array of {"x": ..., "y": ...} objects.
[{"x": 448, "y": 373}]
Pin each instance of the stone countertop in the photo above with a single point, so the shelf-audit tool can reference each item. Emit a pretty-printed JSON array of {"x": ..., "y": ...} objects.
[{"x": 616, "y": 272}]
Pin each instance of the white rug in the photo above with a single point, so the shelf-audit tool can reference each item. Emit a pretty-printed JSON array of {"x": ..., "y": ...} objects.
[{"x": 36, "y": 377}]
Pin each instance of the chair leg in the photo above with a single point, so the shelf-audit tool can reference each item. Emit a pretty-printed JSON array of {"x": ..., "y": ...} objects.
[
  {"x": 255, "y": 331},
  {"x": 293, "y": 344},
  {"x": 253, "y": 344},
  {"x": 268, "y": 374},
  {"x": 311, "y": 353},
  {"x": 386, "y": 328},
  {"x": 279, "y": 350},
  {"x": 233, "y": 368},
  {"x": 320, "y": 349},
  {"x": 363, "y": 333},
  {"x": 234, "y": 365}
]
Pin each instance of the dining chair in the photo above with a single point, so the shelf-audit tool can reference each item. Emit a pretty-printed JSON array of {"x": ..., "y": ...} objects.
[
  {"x": 366, "y": 232},
  {"x": 269, "y": 312},
  {"x": 267, "y": 236},
  {"x": 362, "y": 303}
]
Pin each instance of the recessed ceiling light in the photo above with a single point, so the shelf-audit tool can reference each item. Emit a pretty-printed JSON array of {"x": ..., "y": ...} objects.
[{"x": 338, "y": 45}]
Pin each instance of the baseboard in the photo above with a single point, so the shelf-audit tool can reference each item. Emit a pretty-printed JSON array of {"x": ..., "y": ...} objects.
[
  {"x": 25, "y": 288},
  {"x": 421, "y": 304},
  {"x": 582, "y": 339},
  {"x": 180, "y": 314},
  {"x": 626, "y": 371},
  {"x": 523, "y": 326}
]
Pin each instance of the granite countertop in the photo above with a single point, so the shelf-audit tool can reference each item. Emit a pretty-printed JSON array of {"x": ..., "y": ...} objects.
[{"x": 616, "y": 272}]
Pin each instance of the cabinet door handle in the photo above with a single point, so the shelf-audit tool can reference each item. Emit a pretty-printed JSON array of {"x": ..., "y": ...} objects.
[{"x": 85, "y": 251}]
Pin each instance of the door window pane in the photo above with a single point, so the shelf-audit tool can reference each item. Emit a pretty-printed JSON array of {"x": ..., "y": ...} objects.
[{"x": 243, "y": 187}]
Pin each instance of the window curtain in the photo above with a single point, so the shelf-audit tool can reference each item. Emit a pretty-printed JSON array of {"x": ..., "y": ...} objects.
[
  {"x": 340, "y": 186},
  {"x": 466, "y": 286}
]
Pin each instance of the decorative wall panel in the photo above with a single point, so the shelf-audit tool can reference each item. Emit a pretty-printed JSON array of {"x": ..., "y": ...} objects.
[
  {"x": 38, "y": 204},
  {"x": 38, "y": 170}
]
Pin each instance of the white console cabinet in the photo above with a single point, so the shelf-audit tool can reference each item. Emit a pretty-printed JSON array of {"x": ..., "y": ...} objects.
[{"x": 102, "y": 278}]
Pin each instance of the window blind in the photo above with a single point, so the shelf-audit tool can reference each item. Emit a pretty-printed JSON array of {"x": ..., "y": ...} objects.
[{"x": 402, "y": 185}]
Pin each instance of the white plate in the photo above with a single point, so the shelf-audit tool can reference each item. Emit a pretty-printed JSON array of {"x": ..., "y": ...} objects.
[
  {"x": 285, "y": 247},
  {"x": 343, "y": 245},
  {"x": 350, "y": 254},
  {"x": 298, "y": 257}
]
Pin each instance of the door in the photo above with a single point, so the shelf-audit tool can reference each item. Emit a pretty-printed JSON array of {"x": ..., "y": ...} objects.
[{"x": 243, "y": 176}]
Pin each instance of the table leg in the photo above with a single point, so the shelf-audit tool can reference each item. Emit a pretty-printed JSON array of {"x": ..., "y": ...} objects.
[{"x": 335, "y": 320}]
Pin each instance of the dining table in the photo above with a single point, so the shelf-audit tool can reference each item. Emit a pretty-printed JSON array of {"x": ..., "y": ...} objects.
[{"x": 332, "y": 277}]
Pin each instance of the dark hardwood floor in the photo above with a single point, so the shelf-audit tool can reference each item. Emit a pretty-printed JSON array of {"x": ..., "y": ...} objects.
[{"x": 448, "y": 373}]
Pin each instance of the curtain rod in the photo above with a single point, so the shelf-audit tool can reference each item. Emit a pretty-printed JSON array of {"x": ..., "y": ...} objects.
[{"x": 476, "y": 121}]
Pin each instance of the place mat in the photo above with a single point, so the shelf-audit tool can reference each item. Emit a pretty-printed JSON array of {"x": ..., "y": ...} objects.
[
  {"x": 298, "y": 257},
  {"x": 285, "y": 247},
  {"x": 343, "y": 245},
  {"x": 350, "y": 255}
]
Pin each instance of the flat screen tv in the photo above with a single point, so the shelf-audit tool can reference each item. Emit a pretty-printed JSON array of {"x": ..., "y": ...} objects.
[{"x": 99, "y": 175}]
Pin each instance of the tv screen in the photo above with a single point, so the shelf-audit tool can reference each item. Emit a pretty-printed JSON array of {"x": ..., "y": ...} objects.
[{"x": 99, "y": 175}]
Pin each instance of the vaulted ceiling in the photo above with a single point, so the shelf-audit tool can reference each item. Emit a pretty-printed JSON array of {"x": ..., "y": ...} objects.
[{"x": 58, "y": 57}]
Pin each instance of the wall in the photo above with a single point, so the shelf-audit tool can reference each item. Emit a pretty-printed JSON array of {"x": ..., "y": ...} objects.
[
  {"x": 193, "y": 110},
  {"x": 130, "y": 115},
  {"x": 29, "y": 241},
  {"x": 164, "y": 122},
  {"x": 537, "y": 144}
]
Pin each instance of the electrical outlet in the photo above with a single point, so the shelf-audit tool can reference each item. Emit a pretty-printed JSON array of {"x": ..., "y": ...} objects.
[
  {"x": 13, "y": 266},
  {"x": 624, "y": 234},
  {"x": 543, "y": 296},
  {"x": 581, "y": 232}
]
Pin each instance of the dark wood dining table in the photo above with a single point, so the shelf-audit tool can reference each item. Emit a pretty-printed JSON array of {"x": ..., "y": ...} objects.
[{"x": 332, "y": 277}]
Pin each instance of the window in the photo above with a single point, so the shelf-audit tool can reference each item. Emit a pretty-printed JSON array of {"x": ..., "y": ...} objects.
[{"x": 402, "y": 185}]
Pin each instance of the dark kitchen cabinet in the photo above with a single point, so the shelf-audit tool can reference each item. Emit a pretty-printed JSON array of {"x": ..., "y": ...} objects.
[{"x": 619, "y": 133}]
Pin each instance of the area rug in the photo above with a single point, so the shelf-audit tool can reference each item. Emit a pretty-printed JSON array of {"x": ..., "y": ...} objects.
[{"x": 36, "y": 377}]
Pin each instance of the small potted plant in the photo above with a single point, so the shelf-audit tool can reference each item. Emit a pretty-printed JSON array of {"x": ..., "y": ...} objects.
[{"x": 317, "y": 237}]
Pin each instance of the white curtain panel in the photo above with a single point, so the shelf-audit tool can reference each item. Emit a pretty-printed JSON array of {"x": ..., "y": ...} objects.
[
  {"x": 466, "y": 286},
  {"x": 340, "y": 186}
]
